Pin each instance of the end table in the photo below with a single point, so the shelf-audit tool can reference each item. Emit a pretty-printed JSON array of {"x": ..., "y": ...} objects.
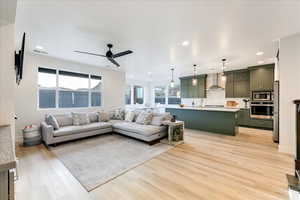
[{"x": 175, "y": 133}]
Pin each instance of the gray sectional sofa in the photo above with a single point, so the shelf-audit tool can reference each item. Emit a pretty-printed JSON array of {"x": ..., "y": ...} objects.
[{"x": 67, "y": 131}]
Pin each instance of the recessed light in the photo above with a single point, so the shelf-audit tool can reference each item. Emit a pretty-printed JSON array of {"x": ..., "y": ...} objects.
[
  {"x": 149, "y": 73},
  {"x": 185, "y": 43},
  {"x": 39, "y": 47},
  {"x": 261, "y": 62},
  {"x": 259, "y": 53}
]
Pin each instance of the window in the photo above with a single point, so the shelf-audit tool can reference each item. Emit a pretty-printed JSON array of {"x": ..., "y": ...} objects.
[
  {"x": 160, "y": 95},
  {"x": 63, "y": 89},
  {"x": 73, "y": 90},
  {"x": 96, "y": 86},
  {"x": 138, "y": 94},
  {"x": 174, "y": 95},
  {"x": 47, "y": 88},
  {"x": 128, "y": 95}
]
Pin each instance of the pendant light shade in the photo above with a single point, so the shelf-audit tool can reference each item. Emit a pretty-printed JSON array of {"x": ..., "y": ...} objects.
[
  {"x": 223, "y": 69},
  {"x": 172, "y": 83},
  {"x": 194, "y": 81}
]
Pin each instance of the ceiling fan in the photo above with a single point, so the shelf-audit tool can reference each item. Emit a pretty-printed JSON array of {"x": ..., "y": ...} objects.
[{"x": 109, "y": 54}]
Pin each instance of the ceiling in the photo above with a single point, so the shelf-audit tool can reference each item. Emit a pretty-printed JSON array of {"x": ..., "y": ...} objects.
[{"x": 155, "y": 30}]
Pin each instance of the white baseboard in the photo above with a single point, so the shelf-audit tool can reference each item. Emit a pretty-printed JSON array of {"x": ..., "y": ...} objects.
[{"x": 285, "y": 149}]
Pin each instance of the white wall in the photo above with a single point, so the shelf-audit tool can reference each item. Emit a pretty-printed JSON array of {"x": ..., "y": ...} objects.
[
  {"x": 7, "y": 72},
  {"x": 26, "y": 100},
  {"x": 289, "y": 77}
]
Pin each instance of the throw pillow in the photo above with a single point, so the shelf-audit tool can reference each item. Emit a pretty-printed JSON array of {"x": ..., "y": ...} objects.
[
  {"x": 157, "y": 120},
  {"x": 136, "y": 113},
  {"x": 144, "y": 118},
  {"x": 129, "y": 116},
  {"x": 51, "y": 120},
  {"x": 93, "y": 116},
  {"x": 118, "y": 114},
  {"x": 103, "y": 116},
  {"x": 80, "y": 119}
]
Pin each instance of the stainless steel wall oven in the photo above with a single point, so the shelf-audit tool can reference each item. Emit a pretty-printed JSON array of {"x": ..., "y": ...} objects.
[{"x": 263, "y": 110}]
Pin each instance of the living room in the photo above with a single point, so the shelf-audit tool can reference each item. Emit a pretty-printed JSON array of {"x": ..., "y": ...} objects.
[{"x": 189, "y": 100}]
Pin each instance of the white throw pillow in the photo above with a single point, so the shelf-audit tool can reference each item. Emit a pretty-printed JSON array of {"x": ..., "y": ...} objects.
[
  {"x": 129, "y": 116},
  {"x": 80, "y": 118},
  {"x": 144, "y": 118}
]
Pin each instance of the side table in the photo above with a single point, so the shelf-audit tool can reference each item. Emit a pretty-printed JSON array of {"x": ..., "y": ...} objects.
[{"x": 175, "y": 133}]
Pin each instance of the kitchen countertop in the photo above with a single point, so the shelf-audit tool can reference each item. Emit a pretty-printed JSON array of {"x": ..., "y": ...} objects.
[
  {"x": 7, "y": 155},
  {"x": 221, "y": 109}
]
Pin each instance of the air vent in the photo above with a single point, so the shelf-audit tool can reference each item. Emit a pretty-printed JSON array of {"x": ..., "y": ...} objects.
[{"x": 40, "y": 51}]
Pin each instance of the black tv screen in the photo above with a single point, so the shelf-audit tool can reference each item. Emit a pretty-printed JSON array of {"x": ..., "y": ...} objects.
[{"x": 19, "y": 60}]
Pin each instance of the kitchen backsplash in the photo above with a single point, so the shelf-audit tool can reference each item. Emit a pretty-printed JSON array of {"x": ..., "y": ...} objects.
[{"x": 214, "y": 97}]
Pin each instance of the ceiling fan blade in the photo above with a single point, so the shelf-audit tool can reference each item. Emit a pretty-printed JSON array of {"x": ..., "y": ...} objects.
[
  {"x": 122, "y": 53},
  {"x": 113, "y": 61},
  {"x": 93, "y": 54}
]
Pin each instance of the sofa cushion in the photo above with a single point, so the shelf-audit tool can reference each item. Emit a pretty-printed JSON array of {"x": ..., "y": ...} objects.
[
  {"x": 145, "y": 130},
  {"x": 68, "y": 130},
  {"x": 80, "y": 119}
]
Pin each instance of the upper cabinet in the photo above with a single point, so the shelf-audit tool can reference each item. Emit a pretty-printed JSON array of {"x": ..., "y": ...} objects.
[
  {"x": 190, "y": 91},
  {"x": 237, "y": 84},
  {"x": 262, "y": 77}
]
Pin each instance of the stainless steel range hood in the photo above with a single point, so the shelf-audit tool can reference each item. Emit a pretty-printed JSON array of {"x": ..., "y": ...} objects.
[{"x": 215, "y": 82}]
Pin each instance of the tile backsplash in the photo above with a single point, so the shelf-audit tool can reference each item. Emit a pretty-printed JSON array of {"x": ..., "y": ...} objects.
[{"x": 214, "y": 97}]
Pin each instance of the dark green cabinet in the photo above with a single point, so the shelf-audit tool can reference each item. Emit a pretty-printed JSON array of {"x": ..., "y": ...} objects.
[
  {"x": 188, "y": 90},
  {"x": 229, "y": 87},
  {"x": 261, "y": 77},
  {"x": 237, "y": 84},
  {"x": 244, "y": 119}
]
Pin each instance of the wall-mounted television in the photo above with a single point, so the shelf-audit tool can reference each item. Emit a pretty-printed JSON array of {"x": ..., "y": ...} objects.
[{"x": 19, "y": 60}]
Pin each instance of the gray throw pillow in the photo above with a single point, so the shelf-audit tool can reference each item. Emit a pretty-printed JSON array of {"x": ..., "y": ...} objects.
[
  {"x": 51, "y": 120},
  {"x": 80, "y": 119},
  {"x": 103, "y": 116},
  {"x": 144, "y": 118},
  {"x": 93, "y": 116},
  {"x": 64, "y": 119}
]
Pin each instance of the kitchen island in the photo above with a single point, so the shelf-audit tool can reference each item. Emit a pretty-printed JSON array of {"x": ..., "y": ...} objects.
[{"x": 214, "y": 120}]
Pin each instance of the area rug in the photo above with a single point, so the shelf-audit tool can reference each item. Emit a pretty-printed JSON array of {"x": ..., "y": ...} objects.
[{"x": 97, "y": 160}]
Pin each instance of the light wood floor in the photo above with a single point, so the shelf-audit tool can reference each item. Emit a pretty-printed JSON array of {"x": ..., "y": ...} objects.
[{"x": 207, "y": 166}]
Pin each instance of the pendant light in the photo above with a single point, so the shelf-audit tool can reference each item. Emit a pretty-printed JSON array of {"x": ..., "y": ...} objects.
[
  {"x": 172, "y": 84},
  {"x": 223, "y": 69},
  {"x": 194, "y": 81}
]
